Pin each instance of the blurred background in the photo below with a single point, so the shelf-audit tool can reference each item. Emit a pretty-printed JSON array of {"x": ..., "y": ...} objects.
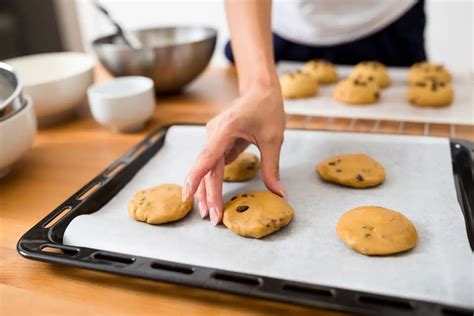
[{"x": 34, "y": 26}]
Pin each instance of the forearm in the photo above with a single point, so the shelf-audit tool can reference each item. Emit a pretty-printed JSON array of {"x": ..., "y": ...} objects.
[{"x": 250, "y": 30}]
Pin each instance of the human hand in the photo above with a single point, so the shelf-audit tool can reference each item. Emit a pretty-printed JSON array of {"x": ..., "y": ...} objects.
[{"x": 257, "y": 117}]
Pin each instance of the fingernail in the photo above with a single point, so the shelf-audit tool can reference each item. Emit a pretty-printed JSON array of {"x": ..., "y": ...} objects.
[
  {"x": 213, "y": 214},
  {"x": 185, "y": 192},
  {"x": 202, "y": 209},
  {"x": 281, "y": 189}
]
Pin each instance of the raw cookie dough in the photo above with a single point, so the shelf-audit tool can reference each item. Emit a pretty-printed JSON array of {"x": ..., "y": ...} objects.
[
  {"x": 356, "y": 91},
  {"x": 374, "y": 230},
  {"x": 159, "y": 205},
  {"x": 352, "y": 170},
  {"x": 257, "y": 214},
  {"x": 298, "y": 85},
  {"x": 373, "y": 69},
  {"x": 243, "y": 168},
  {"x": 430, "y": 92},
  {"x": 420, "y": 71},
  {"x": 322, "y": 70}
]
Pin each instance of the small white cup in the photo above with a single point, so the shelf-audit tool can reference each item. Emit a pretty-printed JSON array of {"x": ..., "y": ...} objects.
[{"x": 123, "y": 104}]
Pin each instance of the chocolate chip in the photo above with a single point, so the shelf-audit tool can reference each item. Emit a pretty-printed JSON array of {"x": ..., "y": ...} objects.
[
  {"x": 360, "y": 177},
  {"x": 242, "y": 208},
  {"x": 250, "y": 167},
  {"x": 434, "y": 87},
  {"x": 252, "y": 195},
  {"x": 441, "y": 84},
  {"x": 367, "y": 235},
  {"x": 370, "y": 78},
  {"x": 244, "y": 195},
  {"x": 420, "y": 84},
  {"x": 332, "y": 163},
  {"x": 233, "y": 198},
  {"x": 377, "y": 95},
  {"x": 338, "y": 170}
]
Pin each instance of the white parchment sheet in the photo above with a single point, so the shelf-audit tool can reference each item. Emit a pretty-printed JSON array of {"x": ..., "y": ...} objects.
[
  {"x": 392, "y": 105},
  {"x": 419, "y": 184}
]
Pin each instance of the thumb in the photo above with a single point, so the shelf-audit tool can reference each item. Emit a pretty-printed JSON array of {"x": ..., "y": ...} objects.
[{"x": 270, "y": 167}]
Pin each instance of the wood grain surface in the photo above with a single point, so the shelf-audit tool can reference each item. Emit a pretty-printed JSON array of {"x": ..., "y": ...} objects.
[{"x": 67, "y": 155}]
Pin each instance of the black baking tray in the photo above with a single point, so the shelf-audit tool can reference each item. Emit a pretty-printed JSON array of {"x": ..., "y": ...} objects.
[{"x": 44, "y": 242}]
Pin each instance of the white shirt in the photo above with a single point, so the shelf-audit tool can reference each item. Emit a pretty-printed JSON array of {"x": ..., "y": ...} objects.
[{"x": 329, "y": 22}]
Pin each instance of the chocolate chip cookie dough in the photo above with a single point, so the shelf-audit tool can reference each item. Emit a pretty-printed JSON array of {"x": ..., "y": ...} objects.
[
  {"x": 243, "y": 168},
  {"x": 352, "y": 170},
  {"x": 373, "y": 69},
  {"x": 298, "y": 85},
  {"x": 430, "y": 92},
  {"x": 322, "y": 70},
  {"x": 374, "y": 230},
  {"x": 257, "y": 214},
  {"x": 159, "y": 205},
  {"x": 423, "y": 70},
  {"x": 356, "y": 91}
]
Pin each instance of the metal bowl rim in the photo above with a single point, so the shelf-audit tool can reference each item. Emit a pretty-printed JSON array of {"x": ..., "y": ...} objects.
[
  {"x": 17, "y": 91},
  {"x": 121, "y": 46}
]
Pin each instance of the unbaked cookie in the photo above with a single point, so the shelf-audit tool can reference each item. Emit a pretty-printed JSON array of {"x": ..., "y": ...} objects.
[
  {"x": 420, "y": 71},
  {"x": 430, "y": 92},
  {"x": 373, "y": 69},
  {"x": 298, "y": 85},
  {"x": 322, "y": 70},
  {"x": 374, "y": 230},
  {"x": 159, "y": 205},
  {"x": 243, "y": 168},
  {"x": 356, "y": 91},
  {"x": 352, "y": 170},
  {"x": 257, "y": 214}
]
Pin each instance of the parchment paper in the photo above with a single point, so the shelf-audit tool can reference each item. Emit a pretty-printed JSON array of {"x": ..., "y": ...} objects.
[
  {"x": 392, "y": 105},
  {"x": 419, "y": 184}
]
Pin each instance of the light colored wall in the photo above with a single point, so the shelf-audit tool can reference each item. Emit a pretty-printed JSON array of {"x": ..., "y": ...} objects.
[{"x": 449, "y": 34}]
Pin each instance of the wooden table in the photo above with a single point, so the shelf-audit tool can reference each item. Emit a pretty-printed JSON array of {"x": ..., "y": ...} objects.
[{"x": 64, "y": 157}]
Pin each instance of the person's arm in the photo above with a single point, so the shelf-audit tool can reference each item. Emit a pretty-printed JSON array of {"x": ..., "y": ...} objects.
[{"x": 256, "y": 117}]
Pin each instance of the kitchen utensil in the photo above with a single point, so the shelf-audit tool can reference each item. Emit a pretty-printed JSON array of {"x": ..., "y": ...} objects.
[
  {"x": 17, "y": 132},
  {"x": 373, "y": 285},
  {"x": 11, "y": 94},
  {"x": 123, "y": 104},
  {"x": 171, "y": 56},
  {"x": 57, "y": 82},
  {"x": 129, "y": 38}
]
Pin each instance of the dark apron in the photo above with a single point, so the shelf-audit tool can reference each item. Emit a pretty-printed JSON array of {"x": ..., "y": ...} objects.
[{"x": 399, "y": 44}]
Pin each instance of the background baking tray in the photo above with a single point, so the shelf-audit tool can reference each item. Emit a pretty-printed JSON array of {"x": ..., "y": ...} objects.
[
  {"x": 234, "y": 274},
  {"x": 392, "y": 105}
]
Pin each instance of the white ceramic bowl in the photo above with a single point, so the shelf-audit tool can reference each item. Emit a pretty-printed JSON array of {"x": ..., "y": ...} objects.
[
  {"x": 16, "y": 136},
  {"x": 57, "y": 82},
  {"x": 123, "y": 104}
]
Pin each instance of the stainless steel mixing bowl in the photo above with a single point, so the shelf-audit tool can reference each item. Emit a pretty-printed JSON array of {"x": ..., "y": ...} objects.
[
  {"x": 171, "y": 56},
  {"x": 11, "y": 95}
]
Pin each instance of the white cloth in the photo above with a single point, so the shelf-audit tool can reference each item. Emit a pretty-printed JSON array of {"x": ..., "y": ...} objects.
[{"x": 330, "y": 22}]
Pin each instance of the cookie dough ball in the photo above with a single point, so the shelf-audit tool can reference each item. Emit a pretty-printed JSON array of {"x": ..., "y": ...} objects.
[
  {"x": 298, "y": 85},
  {"x": 373, "y": 69},
  {"x": 421, "y": 71},
  {"x": 430, "y": 93},
  {"x": 374, "y": 230},
  {"x": 257, "y": 214},
  {"x": 352, "y": 170},
  {"x": 356, "y": 91},
  {"x": 159, "y": 205},
  {"x": 243, "y": 168},
  {"x": 322, "y": 70}
]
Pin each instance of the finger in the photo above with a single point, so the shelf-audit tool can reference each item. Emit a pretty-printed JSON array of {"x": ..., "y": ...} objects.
[
  {"x": 206, "y": 161},
  {"x": 202, "y": 201},
  {"x": 239, "y": 146},
  {"x": 214, "y": 192},
  {"x": 270, "y": 167}
]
